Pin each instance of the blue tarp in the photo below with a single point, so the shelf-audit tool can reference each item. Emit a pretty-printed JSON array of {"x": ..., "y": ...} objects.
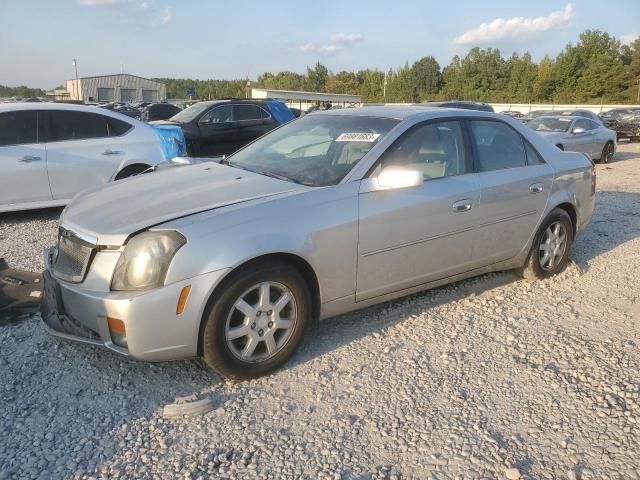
[
  {"x": 280, "y": 111},
  {"x": 172, "y": 139}
]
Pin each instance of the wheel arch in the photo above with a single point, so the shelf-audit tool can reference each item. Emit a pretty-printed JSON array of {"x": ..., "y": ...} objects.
[
  {"x": 573, "y": 214},
  {"x": 296, "y": 261},
  {"x": 131, "y": 164}
]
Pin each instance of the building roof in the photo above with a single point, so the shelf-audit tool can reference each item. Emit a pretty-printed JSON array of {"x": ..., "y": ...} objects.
[{"x": 117, "y": 75}]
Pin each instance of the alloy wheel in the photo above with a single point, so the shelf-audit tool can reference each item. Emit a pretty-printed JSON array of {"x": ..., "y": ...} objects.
[
  {"x": 261, "y": 322},
  {"x": 552, "y": 246}
]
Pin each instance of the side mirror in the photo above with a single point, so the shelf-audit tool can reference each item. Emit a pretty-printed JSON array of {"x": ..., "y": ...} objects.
[
  {"x": 578, "y": 131},
  {"x": 396, "y": 177}
]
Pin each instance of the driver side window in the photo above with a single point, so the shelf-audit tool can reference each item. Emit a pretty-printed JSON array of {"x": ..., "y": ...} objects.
[
  {"x": 435, "y": 149},
  {"x": 221, "y": 114}
]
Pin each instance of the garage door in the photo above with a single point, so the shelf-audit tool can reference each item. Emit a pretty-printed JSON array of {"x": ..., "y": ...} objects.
[
  {"x": 127, "y": 94},
  {"x": 150, "y": 96},
  {"x": 105, "y": 95}
]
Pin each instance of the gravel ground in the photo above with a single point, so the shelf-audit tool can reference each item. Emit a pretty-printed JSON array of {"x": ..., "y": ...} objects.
[{"x": 492, "y": 377}]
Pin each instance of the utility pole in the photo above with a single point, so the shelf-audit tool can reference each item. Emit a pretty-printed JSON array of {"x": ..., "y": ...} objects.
[
  {"x": 75, "y": 65},
  {"x": 384, "y": 86},
  {"x": 248, "y": 87}
]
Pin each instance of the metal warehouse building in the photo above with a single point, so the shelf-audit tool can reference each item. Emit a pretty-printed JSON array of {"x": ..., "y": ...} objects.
[{"x": 116, "y": 88}]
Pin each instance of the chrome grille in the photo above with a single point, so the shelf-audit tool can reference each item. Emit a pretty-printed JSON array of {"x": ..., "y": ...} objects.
[{"x": 71, "y": 257}]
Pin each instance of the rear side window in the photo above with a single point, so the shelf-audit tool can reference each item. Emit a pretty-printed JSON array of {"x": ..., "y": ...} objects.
[
  {"x": 249, "y": 112},
  {"x": 70, "y": 125},
  {"x": 533, "y": 157},
  {"x": 497, "y": 146},
  {"x": 117, "y": 127},
  {"x": 17, "y": 128}
]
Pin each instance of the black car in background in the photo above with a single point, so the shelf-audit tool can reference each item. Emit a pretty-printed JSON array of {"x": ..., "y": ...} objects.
[
  {"x": 466, "y": 105},
  {"x": 625, "y": 122},
  {"x": 221, "y": 127},
  {"x": 159, "y": 111}
]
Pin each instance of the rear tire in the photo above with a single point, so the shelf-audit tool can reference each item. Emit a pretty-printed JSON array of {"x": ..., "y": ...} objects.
[
  {"x": 131, "y": 171},
  {"x": 248, "y": 333},
  {"x": 549, "y": 253}
]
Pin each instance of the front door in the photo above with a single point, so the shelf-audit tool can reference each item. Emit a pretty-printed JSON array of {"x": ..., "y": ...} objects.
[
  {"x": 23, "y": 160},
  {"x": 219, "y": 133},
  {"x": 408, "y": 237},
  {"x": 515, "y": 184}
]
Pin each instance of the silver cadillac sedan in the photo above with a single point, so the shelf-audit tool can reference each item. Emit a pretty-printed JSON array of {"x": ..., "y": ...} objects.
[
  {"x": 577, "y": 134},
  {"x": 333, "y": 212}
]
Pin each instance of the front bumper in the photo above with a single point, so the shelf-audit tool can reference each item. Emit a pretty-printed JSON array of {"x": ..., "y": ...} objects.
[{"x": 154, "y": 331}]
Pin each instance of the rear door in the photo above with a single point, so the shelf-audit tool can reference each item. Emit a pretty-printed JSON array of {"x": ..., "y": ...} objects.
[
  {"x": 412, "y": 236},
  {"x": 80, "y": 153},
  {"x": 219, "y": 133},
  {"x": 253, "y": 121},
  {"x": 515, "y": 184},
  {"x": 23, "y": 159}
]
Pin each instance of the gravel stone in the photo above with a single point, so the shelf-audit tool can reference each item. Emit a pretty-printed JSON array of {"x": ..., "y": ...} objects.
[{"x": 491, "y": 377}]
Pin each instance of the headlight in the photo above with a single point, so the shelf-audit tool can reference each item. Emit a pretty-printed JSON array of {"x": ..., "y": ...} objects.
[{"x": 146, "y": 258}]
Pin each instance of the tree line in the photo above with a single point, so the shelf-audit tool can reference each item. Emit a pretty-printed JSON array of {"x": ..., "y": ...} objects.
[{"x": 597, "y": 69}]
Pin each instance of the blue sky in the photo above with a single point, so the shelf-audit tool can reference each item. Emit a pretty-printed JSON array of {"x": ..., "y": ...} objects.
[{"x": 236, "y": 38}]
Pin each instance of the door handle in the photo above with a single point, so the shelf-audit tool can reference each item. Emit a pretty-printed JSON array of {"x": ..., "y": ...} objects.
[
  {"x": 462, "y": 205},
  {"x": 29, "y": 159},
  {"x": 536, "y": 188},
  {"x": 111, "y": 152}
]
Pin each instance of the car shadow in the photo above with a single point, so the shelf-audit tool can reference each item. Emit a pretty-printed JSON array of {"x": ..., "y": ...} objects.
[{"x": 616, "y": 220}]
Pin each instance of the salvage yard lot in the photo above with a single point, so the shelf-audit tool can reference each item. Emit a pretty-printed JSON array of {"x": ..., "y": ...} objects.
[{"x": 484, "y": 378}]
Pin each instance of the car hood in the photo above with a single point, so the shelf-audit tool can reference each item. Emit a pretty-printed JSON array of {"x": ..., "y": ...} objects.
[
  {"x": 552, "y": 136},
  {"x": 107, "y": 215}
]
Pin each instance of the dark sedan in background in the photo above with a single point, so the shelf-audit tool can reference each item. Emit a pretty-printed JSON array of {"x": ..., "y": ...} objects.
[
  {"x": 159, "y": 111},
  {"x": 222, "y": 127}
]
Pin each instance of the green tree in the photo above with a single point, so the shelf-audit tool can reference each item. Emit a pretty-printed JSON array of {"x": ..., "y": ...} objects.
[
  {"x": 317, "y": 78},
  {"x": 426, "y": 79}
]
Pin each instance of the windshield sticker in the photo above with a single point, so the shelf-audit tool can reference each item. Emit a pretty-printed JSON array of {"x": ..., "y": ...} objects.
[{"x": 358, "y": 137}]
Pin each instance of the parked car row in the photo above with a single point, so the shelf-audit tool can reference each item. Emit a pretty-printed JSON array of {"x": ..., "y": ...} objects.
[{"x": 335, "y": 211}]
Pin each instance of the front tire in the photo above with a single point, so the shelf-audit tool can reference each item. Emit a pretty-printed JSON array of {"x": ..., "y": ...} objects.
[
  {"x": 256, "y": 322},
  {"x": 607, "y": 153},
  {"x": 551, "y": 246}
]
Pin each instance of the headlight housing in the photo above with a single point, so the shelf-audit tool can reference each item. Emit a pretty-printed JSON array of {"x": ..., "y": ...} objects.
[{"x": 146, "y": 258}]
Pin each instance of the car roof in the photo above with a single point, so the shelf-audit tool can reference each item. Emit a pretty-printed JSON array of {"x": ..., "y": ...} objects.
[
  {"x": 49, "y": 105},
  {"x": 562, "y": 117},
  {"x": 403, "y": 112}
]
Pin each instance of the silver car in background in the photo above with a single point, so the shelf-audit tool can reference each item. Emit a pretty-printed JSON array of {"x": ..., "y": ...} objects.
[
  {"x": 331, "y": 213},
  {"x": 577, "y": 134}
]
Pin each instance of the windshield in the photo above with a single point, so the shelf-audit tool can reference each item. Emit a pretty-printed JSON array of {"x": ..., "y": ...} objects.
[
  {"x": 537, "y": 113},
  {"x": 190, "y": 113},
  {"x": 316, "y": 150},
  {"x": 543, "y": 124}
]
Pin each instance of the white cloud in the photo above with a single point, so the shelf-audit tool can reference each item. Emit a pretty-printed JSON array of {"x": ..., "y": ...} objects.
[
  {"x": 167, "y": 17},
  {"x": 338, "y": 41},
  {"x": 516, "y": 27},
  {"x": 629, "y": 38}
]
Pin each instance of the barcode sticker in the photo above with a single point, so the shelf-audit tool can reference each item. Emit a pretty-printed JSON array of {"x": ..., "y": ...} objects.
[{"x": 358, "y": 137}]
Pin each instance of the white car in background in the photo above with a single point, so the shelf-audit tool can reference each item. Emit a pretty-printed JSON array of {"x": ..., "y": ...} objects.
[{"x": 51, "y": 151}]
